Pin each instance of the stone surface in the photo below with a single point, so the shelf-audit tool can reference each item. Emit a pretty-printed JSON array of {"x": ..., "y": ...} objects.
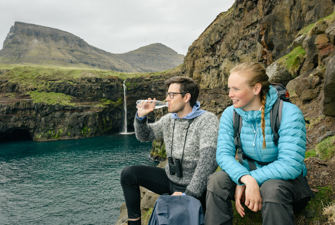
[
  {"x": 330, "y": 32},
  {"x": 309, "y": 94},
  {"x": 326, "y": 135},
  {"x": 328, "y": 106},
  {"x": 321, "y": 39},
  {"x": 311, "y": 52},
  {"x": 278, "y": 73}
]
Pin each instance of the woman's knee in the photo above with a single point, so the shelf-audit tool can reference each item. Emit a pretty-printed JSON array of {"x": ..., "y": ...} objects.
[{"x": 276, "y": 191}]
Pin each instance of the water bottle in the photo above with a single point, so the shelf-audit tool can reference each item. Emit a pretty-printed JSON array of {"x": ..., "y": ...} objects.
[{"x": 150, "y": 104}]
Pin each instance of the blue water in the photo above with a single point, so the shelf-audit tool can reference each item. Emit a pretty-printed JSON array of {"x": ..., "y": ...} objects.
[{"x": 66, "y": 182}]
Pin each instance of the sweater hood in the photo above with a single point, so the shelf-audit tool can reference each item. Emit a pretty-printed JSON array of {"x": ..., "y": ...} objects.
[
  {"x": 196, "y": 111},
  {"x": 255, "y": 116}
]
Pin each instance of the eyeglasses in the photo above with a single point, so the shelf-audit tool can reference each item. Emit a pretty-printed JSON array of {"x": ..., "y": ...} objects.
[{"x": 171, "y": 94}]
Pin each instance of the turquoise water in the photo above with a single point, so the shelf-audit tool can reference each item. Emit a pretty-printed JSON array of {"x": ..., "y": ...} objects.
[{"x": 66, "y": 182}]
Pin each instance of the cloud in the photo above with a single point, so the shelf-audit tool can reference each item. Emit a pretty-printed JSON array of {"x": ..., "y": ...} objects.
[{"x": 118, "y": 26}]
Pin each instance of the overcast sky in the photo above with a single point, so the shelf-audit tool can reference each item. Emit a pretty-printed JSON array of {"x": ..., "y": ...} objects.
[{"x": 118, "y": 26}]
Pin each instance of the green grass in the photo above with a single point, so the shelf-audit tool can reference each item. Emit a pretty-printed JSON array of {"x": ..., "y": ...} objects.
[
  {"x": 51, "y": 98},
  {"x": 293, "y": 60},
  {"x": 322, "y": 199},
  {"x": 27, "y": 73},
  {"x": 326, "y": 148}
]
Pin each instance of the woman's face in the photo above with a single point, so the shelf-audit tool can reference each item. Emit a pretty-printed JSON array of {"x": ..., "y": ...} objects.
[{"x": 242, "y": 95}]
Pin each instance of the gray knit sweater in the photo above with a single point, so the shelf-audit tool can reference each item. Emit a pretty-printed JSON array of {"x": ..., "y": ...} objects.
[{"x": 200, "y": 148}]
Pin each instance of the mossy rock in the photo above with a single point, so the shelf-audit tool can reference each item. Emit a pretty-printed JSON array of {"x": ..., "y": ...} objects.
[
  {"x": 293, "y": 60},
  {"x": 326, "y": 148}
]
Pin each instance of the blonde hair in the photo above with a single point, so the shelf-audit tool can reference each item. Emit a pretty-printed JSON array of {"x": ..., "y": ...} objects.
[{"x": 256, "y": 74}]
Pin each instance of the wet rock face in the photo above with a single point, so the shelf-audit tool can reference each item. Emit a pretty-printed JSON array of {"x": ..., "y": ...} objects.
[
  {"x": 53, "y": 122},
  {"x": 328, "y": 106},
  {"x": 97, "y": 107}
]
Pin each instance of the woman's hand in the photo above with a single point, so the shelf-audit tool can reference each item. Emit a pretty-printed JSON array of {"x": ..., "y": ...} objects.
[
  {"x": 253, "y": 199},
  {"x": 145, "y": 108},
  {"x": 177, "y": 193},
  {"x": 239, "y": 199}
]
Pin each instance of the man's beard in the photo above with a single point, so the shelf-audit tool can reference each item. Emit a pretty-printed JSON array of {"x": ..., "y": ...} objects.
[{"x": 179, "y": 109}]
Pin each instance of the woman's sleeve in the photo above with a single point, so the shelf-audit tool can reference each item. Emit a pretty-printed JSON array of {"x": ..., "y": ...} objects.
[
  {"x": 226, "y": 150},
  {"x": 291, "y": 148}
]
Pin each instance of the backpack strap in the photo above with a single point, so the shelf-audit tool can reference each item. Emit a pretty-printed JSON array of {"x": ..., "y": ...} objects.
[
  {"x": 237, "y": 122},
  {"x": 275, "y": 119}
]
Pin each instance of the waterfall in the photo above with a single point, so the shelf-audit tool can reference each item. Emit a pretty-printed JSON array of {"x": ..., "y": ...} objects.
[{"x": 125, "y": 107}]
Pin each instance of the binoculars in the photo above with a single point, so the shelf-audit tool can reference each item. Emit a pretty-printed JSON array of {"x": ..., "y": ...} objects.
[{"x": 175, "y": 167}]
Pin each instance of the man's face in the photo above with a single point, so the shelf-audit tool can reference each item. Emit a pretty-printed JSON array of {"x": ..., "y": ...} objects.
[{"x": 177, "y": 103}]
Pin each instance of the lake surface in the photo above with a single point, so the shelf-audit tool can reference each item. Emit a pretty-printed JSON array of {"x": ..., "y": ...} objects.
[{"x": 66, "y": 182}]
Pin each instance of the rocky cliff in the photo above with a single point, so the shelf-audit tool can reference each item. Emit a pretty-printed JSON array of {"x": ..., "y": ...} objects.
[
  {"x": 53, "y": 104},
  {"x": 29, "y": 43},
  {"x": 253, "y": 30},
  {"x": 294, "y": 40}
]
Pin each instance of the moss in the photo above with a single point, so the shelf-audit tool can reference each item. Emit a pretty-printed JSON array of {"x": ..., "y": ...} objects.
[
  {"x": 311, "y": 153},
  {"x": 313, "y": 122},
  {"x": 291, "y": 92},
  {"x": 146, "y": 217},
  {"x": 51, "y": 98},
  {"x": 119, "y": 102},
  {"x": 85, "y": 131},
  {"x": 293, "y": 60},
  {"x": 106, "y": 101},
  {"x": 326, "y": 148}
]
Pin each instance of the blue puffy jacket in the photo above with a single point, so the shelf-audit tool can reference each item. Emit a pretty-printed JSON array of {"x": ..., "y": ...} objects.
[{"x": 287, "y": 158}]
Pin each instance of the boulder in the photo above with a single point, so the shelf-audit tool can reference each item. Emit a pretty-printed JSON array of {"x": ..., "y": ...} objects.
[
  {"x": 330, "y": 33},
  {"x": 324, "y": 50},
  {"x": 278, "y": 73},
  {"x": 311, "y": 59},
  {"x": 326, "y": 135},
  {"x": 309, "y": 94},
  {"x": 298, "y": 41},
  {"x": 320, "y": 27},
  {"x": 328, "y": 100}
]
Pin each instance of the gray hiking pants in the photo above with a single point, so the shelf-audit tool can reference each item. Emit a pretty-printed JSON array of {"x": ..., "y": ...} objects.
[{"x": 280, "y": 199}]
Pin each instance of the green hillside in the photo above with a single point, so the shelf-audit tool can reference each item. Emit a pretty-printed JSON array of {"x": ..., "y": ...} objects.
[{"x": 34, "y": 44}]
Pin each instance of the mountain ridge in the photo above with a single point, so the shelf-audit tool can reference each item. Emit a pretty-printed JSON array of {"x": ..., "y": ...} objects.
[{"x": 30, "y": 43}]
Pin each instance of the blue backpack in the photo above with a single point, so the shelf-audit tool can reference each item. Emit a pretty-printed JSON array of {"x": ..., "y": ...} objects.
[{"x": 177, "y": 210}]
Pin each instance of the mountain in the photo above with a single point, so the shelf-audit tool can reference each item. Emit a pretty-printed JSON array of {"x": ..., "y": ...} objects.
[
  {"x": 29, "y": 43},
  {"x": 153, "y": 56}
]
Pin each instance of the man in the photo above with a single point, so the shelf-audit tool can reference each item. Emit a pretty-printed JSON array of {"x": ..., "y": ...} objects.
[{"x": 190, "y": 136}]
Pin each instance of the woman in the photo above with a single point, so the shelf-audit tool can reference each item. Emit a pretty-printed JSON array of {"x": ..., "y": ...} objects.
[{"x": 274, "y": 186}]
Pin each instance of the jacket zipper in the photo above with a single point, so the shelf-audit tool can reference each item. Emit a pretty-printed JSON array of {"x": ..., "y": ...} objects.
[{"x": 256, "y": 141}]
